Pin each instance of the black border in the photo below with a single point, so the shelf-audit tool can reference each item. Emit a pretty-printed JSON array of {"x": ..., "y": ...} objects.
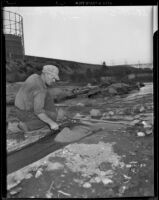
[
  {"x": 77, "y": 3},
  {"x": 15, "y": 3}
]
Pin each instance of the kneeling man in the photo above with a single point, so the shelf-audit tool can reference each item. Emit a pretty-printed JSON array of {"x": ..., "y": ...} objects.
[{"x": 34, "y": 105}]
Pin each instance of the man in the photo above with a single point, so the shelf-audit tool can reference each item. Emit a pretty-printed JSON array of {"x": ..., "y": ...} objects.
[{"x": 34, "y": 105}]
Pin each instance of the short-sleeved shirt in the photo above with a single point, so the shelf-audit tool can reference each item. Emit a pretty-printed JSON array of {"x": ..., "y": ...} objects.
[{"x": 32, "y": 95}]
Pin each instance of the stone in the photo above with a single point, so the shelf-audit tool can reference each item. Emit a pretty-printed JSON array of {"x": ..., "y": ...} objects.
[
  {"x": 148, "y": 132},
  {"x": 137, "y": 116},
  {"x": 142, "y": 108},
  {"x": 128, "y": 165},
  {"x": 106, "y": 181},
  {"x": 15, "y": 191},
  {"x": 111, "y": 113},
  {"x": 95, "y": 113},
  {"x": 48, "y": 194},
  {"x": 38, "y": 173},
  {"x": 97, "y": 179},
  {"x": 134, "y": 122},
  {"x": 77, "y": 115},
  {"x": 140, "y": 134},
  {"x": 87, "y": 185},
  {"x": 28, "y": 176},
  {"x": 70, "y": 135},
  {"x": 80, "y": 104},
  {"x": 54, "y": 166},
  {"x": 146, "y": 125},
  {"x": 111, "y": 90}
]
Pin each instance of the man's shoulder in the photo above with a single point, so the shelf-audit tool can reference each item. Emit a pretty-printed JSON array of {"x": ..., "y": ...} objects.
[
  {"x": 35, "y": 82},
  {"x": 34, "y": 78}
]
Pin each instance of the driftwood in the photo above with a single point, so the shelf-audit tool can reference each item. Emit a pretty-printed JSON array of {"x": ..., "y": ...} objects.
[{"x": 85, "y": 92}]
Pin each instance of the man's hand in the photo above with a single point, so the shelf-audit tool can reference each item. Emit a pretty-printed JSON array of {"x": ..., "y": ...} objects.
[{"x": 54, "y": 126}]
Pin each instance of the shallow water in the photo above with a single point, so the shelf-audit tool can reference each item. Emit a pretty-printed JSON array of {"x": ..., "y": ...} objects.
[{"x": 147, "y": 89}]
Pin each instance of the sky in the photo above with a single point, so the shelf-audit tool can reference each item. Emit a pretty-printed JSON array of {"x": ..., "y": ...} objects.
[{"x": 116, "y": 35}]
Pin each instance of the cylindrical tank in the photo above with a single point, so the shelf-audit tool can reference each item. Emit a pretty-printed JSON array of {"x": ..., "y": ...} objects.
[{"x": 14, "y": 36}]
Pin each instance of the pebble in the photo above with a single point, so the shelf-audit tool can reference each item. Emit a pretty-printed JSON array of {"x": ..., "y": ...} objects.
[
  {"x": 80, "y": 104},
  {"x": 95, "y": 113},
  {"x": 48, "y": 195},
  {"x": 126, "y": 177},
  {"x": 86, "y": 185},
  {"x": 146, "y": 125},
  {"x": 15, "y": 191},
  {"x": 111, "y": 113},
  {"x": 97, "y": 179},
  {"x": 137, "y": 116},
  {"x": 148, "y": 132},
  {"x": 122, "y": 189},
  {"x": 102, "y": 173},
  {"x": 106, "y": 181},
  {"x": 140, "y": 134},
  {"x": 29, "y": 175},
  {"x": 38, "y": 173},
  {"x": 143, "y": 165},
  {"x": 134, "y": 122},
  {"x": 142, "y": 108}
]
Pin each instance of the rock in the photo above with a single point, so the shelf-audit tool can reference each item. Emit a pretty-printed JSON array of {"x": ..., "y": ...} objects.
[
  {"x": 102, "y": 173},
  {"x": 148, "y": 132},
  {"x": 126, "y": 177},
  {"x": 28, "y": 176},
  {"x": 15, "y": 191},
  {"x": 122, "y": 189},
  {"x": 87, "y": 185},
  {"x": 95, "y": 113},
  {"x": 134, "y": 122},
  {"x": 121, "y": 112},
  {"x": 54, "y": 166},
  {"x": 89, "y": 85},
  {"x": 128, "y": 118},
  {"x": 48, "y": 194},
  {"x": 111, "y": 90},
  {"x": 97, "y": 179},
  {"x": 140, "y": 134},
  {"x": 77, "y": 115},
  {"x": 12, "y": 127},
  {"x": 80, "y": 104},
  {"x": 111, "y": 113},
  {"x": 106, "y": 181},
  {"x": 38, "y": 173},
  {"x": 146, "y": 125},
  {"x": 137, "y": 116},
  {"x": 142, "y": 108},
  {"x": 128, "y": 165}
]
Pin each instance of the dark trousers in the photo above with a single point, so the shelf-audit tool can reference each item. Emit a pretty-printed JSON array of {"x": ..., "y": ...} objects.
[{"x": 30, "y": 119}]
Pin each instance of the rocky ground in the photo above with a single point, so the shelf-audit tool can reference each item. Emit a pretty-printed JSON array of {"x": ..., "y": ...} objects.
[{"x": 117, "y": 160}]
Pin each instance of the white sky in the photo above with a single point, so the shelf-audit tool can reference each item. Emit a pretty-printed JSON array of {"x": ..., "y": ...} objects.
[{"x": 89, "y": 34}]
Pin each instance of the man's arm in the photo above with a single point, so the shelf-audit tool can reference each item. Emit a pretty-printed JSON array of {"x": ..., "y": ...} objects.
[
  {"x": 39, "y": 102},
  {"x": 46, "y": 119}
]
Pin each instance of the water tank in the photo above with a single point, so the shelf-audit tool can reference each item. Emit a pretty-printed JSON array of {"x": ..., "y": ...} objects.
[{"x": 14, "y": 35}]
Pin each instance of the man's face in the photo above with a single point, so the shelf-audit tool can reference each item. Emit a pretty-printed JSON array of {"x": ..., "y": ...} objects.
[{"x": 49, "y": 79}]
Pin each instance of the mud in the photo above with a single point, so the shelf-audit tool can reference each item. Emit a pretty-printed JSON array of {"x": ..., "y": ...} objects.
[{"x": 112, "y": 162}]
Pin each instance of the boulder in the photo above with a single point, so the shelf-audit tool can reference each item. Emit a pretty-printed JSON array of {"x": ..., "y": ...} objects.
[{"x": 95, "y": 113}]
